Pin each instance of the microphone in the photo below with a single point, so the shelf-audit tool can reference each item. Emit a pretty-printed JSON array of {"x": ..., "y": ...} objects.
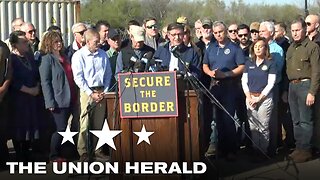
[
  {"x": 174, "y": 50},
  {"x": 133, "y": 60},
  {"x": 147, "y": 60},
  {"x": 156, "y": 65}
]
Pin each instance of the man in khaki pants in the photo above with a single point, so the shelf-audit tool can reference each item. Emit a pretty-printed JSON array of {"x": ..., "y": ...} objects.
[{"x": 92, "y": 73}]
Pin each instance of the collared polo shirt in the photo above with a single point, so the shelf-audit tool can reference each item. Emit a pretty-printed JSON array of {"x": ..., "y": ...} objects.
[
  {"x": 258, "y": 75},
  {"x": 226, "y": 59}
]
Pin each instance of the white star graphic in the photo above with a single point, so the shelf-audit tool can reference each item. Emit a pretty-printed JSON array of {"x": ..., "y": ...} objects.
[
  {"x": 67, "y": 135},
  {"x": 143, "y": 135},
  {"x": 105, "y": 136}
]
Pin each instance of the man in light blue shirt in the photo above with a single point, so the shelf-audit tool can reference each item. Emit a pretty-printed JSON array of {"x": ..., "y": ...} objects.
[
  {"x": 92, "y": 73},
  {"x": 267, "y": 30}
]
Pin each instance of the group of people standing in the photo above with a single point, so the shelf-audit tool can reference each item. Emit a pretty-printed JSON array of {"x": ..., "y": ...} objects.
[{"x": 253, "y": 71}]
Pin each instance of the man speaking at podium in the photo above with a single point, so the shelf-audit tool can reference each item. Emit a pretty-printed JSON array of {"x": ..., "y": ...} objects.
[
  {"x": 92, "y": 73},
  {"x": 175, "y": 49}
]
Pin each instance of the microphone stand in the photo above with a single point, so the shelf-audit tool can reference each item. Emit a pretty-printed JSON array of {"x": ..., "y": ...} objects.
[
  {"x": 189, "y": 117},
  {"x": 189, "y": 80},
  {"x": 196, "y": 83},
  {"x": 94, "y": 104},
  {"x": 115, "y": 124}
]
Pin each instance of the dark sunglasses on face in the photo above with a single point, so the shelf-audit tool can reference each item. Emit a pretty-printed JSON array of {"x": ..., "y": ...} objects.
[
  {"x": 242, "y": 35},
  {"x": 32, "y": 31},
  {"x": 152, "y": 26},
  {"x": 254, "y": 31},
  {"x": 232, "y": 31},
  {"x": 308, "y": 23}
]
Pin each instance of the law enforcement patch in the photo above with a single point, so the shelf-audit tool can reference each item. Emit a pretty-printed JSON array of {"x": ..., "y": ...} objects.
[
  {"x": 227, "y": 51},
  {"x": 264, "y": 67},
  {"x": 251, "y": 67}
]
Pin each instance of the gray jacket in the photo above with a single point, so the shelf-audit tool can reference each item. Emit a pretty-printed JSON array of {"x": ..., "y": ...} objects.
[{"x": 54, "y": 82}]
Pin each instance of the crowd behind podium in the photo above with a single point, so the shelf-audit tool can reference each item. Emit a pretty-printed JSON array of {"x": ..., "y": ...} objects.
[{"x": 266, "y": 75}]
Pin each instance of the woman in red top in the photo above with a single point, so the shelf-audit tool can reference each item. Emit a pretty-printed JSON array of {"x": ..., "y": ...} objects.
[{"x": 59, "y": 90}]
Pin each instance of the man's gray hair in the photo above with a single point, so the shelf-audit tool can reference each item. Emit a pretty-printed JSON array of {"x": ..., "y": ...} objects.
[
  {"x": 25, "y": 25},
  {"x": 219, "y": 23},
  {"x": 77, "y": 25},
  {"x": 14, "y": 21},
  {"x": 269, "y": 25}
]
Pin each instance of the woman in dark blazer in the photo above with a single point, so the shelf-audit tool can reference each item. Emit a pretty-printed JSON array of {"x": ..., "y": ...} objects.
[{"x": 59, "y": 89}]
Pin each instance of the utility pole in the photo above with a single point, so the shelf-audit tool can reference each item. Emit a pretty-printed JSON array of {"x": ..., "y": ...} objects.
[{"x": 306, "y": 7}]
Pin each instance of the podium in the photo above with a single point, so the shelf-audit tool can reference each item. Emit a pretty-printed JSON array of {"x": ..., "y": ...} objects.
[{"x": 170, "y": 141}]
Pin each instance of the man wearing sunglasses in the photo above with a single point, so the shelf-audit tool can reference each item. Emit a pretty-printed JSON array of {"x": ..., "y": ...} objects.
[
  {"x": 312, "y": 22},
  {"x": 232, "y": 33},
  {"x": 78, "y": 31},
  {"x": 152, "y": 36},
  {"x": 31, "y": 32},
  {"x": 244, "y": 38},
  {"x": 241, "y": 109}
]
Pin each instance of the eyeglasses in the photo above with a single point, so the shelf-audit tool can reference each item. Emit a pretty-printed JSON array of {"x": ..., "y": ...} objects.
[
  {"x": 254, "y": 31},
  {"x": 232, "y": 31},
  {"x": 308, "y": 23},
  {"x": 81, "y": 32},
  {"x": 242, "y": 35},
  {"x": 32, "y": 31},
  {"x": 152, "y": 26}
]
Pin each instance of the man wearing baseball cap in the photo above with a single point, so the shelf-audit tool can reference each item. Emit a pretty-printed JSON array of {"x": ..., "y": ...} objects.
[
  {"x": 134, "y": 52},
  {"x": 114, "y": 40},
  {"x": 254, "y": 30}
]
